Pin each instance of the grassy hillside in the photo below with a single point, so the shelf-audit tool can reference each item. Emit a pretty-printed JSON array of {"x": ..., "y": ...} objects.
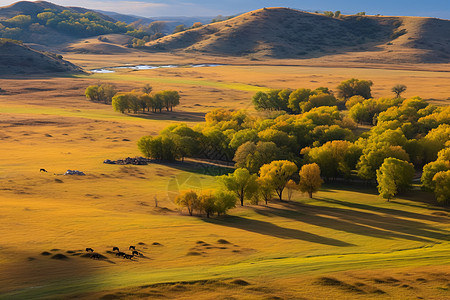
[
  {"x": 288, "y": 33},
  {"x": 15, "y": 58},
  {"x": 49, "y": 24},
  {"x": 36, "y": 7}
]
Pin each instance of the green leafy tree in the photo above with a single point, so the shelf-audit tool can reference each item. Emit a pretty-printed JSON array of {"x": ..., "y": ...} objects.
[
  {"x": 352, "y": 87},
  {"x": 133, "y": 102},
  {"x": 393, "y": 176},
  {"x": 353, "y": 101},
  {"x": 335, "y": 159},
  {"x": 266, "y": 190},
  {"x": 186, "y": 146},
  {"x": 253, "y": 156},
  {"x": 297, "y": 97},
  {"x": 374, "y": 156},
  {"x": 103, "y": 93},
  {"x": 160, "y": 147},
  {"x": 170, "y": 99},
  {"x": 241, "y": 182},
  {"x": 310, "y": 180},
  {"x": 261, "y": 101},
  {"x": 120, "y": 103},
  {"x": 145, "y": 146},
  {"x": 319, "y": 100},
  {"x": 442, "y": 186},
  {"x": 224, "y": 200},
  {"x": 207, "y": 203},
  {"x": 243, "y": 136},
  {"x": 158, "y": 102},
  {"x": 278, "y": 173},
  {"x": 147, "y": 101},
  {"x": 429, "y": 170}
]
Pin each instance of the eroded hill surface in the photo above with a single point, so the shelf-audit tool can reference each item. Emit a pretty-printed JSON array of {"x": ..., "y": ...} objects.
[{"x": 288, "y": 33}]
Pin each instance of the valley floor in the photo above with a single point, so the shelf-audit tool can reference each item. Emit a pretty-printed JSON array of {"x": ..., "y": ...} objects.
[{"x": 346, "y": 243}]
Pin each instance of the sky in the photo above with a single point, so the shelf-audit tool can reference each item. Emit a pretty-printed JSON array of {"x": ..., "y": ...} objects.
[{"x": 149, "y": 8}]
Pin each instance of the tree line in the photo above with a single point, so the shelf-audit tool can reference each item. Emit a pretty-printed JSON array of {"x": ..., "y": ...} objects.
[
  {"x": 408, "y": 137},
  {"x": 134, "y": 101}
]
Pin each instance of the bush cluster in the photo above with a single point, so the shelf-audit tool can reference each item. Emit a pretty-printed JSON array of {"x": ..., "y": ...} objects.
[{"x": 411, "y": 131}]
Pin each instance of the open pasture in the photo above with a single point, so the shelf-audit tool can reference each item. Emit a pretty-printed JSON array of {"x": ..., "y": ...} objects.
[{"x": 346, "y": 242}]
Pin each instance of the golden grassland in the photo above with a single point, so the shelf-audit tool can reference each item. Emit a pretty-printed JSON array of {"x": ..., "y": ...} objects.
[{"x": 346, "y": 243}]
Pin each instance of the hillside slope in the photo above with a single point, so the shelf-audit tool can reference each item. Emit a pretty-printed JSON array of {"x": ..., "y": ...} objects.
[
  {"x": 16, "y": 58},
  {"x": 47, "y": 24},
  {"x": 288, "y": 33},
  {"x": 33, "y": 8}
]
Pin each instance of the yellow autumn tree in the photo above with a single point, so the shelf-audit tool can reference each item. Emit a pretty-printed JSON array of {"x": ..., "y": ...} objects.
[
  {"x": 310, "y": 180},
  {"x": 278, "y": 173}
]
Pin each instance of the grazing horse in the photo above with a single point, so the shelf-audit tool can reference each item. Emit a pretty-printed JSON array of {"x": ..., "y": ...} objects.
[
  {"x": 43, "y": 170},
  {"x": 120, "y": 254},
  {"x": 132, "y": 247},
  {"x": 128, "y": 256},
  {"x": 135, "y": 253},
  {"x": 116, "y": 248},
  {"x": 89, "y": 250}
]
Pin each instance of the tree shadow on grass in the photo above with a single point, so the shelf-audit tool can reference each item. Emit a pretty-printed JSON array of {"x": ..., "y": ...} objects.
[
  {"x": 390, "y": 211},
  {"x": 357, "y": 222},
  {"x": 179, "y": 116},
  {"x": 271, "y": 229},
  {"x": 200, "y": 167}
]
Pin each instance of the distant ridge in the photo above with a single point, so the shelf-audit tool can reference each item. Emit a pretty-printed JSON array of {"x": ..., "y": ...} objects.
[{"x": 289, "y": 33}]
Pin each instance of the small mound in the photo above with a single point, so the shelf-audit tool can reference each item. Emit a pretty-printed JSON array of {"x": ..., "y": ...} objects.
[
  {"x": 200, "y": 242},
  {"x": 54, "y": 250},
  {"x": 31, "y": 258},
  {"x": 193, "y": 253},
  {"x": 59, "y": 256},
  {"x": 156, "y": 244},
  {"x": 240, "y": 282},
  {"x": 58, "y": 180},
  {"x": 143, "y": 244},
  {"x": 222, "y": 241},
  {"x": 97, "y": 48},
  {"x": 46, "y": 253},
  {"x": 328, "y": 281}
]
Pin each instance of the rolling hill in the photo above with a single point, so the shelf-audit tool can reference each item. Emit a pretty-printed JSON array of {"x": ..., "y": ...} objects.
[
  {"x": 16, "y": 58},
  {"x": 289, "y": 33},
  {"x": 46, "y": 24},
  {"x": 34, "y": 8}
]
